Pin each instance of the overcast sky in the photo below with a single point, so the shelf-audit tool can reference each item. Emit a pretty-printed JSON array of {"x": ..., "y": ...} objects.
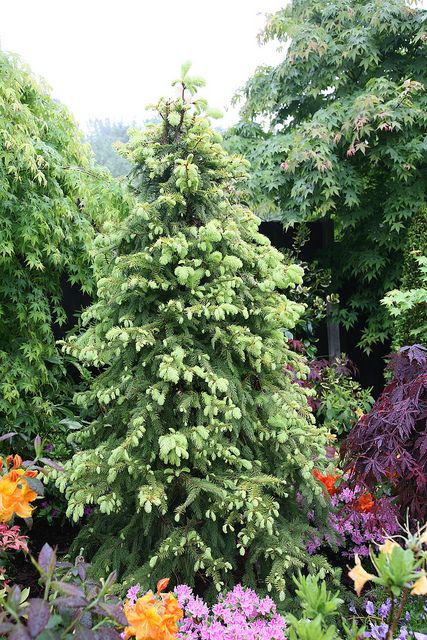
[{"x": 109, "y": 58}]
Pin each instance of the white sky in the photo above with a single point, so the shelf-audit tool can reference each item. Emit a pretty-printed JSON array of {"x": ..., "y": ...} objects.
[{"x": 109, "y": 58}]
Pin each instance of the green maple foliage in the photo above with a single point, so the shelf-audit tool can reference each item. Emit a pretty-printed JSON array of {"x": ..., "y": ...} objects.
[
  {"x": 51, "y": 202},
  {"x": 338, "y": 129},
  {"x": 202, "y": 437}
]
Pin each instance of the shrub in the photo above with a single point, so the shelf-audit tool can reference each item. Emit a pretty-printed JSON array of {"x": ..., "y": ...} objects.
[
  {"x": 407, "y": 304},
  {"x": 201, "y": 439},
  {"x": 52, "y": 200},
  {"x": 340, "y": 399},
  {"x": 72, "y": 606},
  {"x": 389, "y": 444}
]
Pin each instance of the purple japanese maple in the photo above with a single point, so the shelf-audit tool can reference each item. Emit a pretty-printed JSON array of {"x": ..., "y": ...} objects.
[{"x": 389, "y": 444}]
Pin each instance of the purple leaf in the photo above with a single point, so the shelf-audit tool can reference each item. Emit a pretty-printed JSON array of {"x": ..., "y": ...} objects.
[
  {"x": 112, "y": 611},
  {"x": 52, "y": 463},
  {"x": 36, "y": 485},
  {"x": 68, "y": 588},
  {"x": 38, "y": 616},
  {"x": 19, "y": 633},
  {"x": 83, "y": 633},
  {"x": 70, "y": 602},
  {"x": 389, "y": 444},
  {"x": 5, "y": 627},
  {"x": 47, "y": 559},
  {"x": 14, "y": 597},
  {"x": 7, "y": 436}
]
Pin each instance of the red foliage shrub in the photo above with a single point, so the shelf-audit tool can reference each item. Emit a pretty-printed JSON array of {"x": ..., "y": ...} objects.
[{"x": 389, "y": 444}]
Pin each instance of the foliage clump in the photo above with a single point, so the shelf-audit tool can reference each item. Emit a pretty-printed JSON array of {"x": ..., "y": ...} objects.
[
  {"x": 407, "y": 305},
  {"x": 51, "y": 200},
  {"x": 337, "y": 130},
  {"x": 389, "y": 444},
  {"x": 202, "y": 437},
  {"x": 72, "y": 606}
]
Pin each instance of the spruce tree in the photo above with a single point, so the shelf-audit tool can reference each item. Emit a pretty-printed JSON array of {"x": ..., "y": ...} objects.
[{"x": 203, "y": 444}]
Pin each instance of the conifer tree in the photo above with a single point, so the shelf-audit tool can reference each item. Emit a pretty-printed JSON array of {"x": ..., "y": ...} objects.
[{"x": 203, "y": 444}]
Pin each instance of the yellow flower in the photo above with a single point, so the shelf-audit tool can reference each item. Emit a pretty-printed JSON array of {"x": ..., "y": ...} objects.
[
  {"x": 388, "y": 546},
  {"x": 423, "y": 538},
  {"x": 420, "y": 587},
  {"x": 359, "y": 575}
]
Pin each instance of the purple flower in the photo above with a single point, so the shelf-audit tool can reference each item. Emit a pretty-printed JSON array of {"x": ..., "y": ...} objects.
[
  {"x": 369, "y": 608},
  {"x": 384, "y": 609},
  {"x": 132, "y": 594},
  {"x": 197, "y": 607},
  {"x": 403, "y": 635},
  {"x": 237, "y": 615},
  {"x": 183, "y": 593},
  {"x": 377, "y": 631}
]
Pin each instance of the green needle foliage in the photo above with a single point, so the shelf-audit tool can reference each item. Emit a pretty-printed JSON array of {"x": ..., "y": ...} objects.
[
  {"x": 345, "y": 115},
  {"x": 203, "y": 438},
  {"x": 50, "y": 202}
]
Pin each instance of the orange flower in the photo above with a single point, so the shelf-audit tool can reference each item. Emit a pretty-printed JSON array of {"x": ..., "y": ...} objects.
[
  {"x": 172, "y": 614},
  {"x": 15, "y": 496},
  {"x": 153, "y": 619},
  {"x": 162, "y": 585},
  {"x": 328, "y": 481},
  {"x": 364, "y": 503}
]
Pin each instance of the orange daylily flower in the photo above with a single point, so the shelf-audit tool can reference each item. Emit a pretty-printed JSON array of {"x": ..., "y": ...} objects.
[
  {"x": 420, "y": 587},
  {"x": 15, "y": 496},
  {"x": 359, "y": 576}
]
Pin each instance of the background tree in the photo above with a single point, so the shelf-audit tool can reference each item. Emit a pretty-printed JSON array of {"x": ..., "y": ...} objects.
[
  {"x": 102, "y": 136},
  {"x": 338, "y": 130},
  {"x": 202, "y": 437},
  {"x": 51, "y": 201}
]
